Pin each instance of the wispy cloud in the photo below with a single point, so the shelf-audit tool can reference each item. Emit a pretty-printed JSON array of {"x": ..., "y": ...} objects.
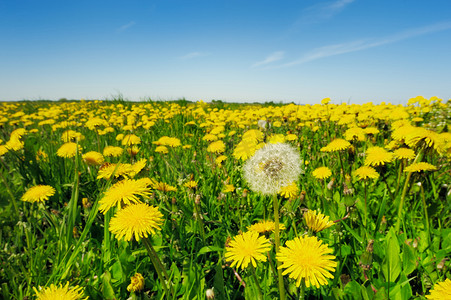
[
  {"x": 192, "y": 55},
  {"x": 362, "y": 44},
  {"x": 126, "y": 26},
  {"x": 321, "y": 11},
  {"x": 275, "y": 56}
]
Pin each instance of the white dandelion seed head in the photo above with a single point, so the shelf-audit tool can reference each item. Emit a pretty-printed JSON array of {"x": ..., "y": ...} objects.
[{"x": 272, "y": 167}]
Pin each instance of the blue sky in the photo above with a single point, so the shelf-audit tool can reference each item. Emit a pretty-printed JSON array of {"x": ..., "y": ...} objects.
[{"x": 243, "y": 51}]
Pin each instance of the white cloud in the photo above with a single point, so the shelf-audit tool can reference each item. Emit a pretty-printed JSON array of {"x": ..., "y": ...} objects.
[
  {"x": 126, "y": 26},
  {"x": 192, "y": 55},
  {"x": 322, "y": 11},
  {"x": 275, "y": 56},
  {"x": 362, "y": 44}
]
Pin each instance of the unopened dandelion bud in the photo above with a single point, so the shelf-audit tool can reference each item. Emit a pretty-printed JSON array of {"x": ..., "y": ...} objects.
[{"x": 197, "y": 200}]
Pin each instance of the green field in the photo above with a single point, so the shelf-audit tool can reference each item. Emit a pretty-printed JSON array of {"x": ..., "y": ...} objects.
[{"x": 193, "y": 200}]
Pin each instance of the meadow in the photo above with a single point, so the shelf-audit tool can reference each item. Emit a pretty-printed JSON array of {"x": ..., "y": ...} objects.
[{"x": 194, "y": 200}]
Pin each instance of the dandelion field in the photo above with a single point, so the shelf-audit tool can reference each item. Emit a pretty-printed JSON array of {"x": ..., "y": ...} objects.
[{"x": 181, "y": 200}]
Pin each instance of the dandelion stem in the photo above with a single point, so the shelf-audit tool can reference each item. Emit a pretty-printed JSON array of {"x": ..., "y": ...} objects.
[
  {"x": 404, "y": 192},
  {"x": 158, "y": 266},
  {"x": 302, "y": 291},
  {"x": 13, "y": 199},
  {"x": 423, "y": 198},
  {"x": 366, "y": 207},
  {"x": 277, "y": 242},
  {"x": 259, "y": 289}
]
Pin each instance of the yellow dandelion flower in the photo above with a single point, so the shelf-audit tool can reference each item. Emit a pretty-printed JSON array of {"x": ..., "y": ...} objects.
[
  {"x": 420, "y": 166},
  {"x": 162, "y": 149},
  {"x": 291, "y": 137},
  {"x": 441, "y": 290},
  {"x": 191, "y": 184},
  {"x": 68, "y": 150},
  {"x": 133, "y": 150},
  {"x": 245, "y": 149},
  {"x": 245, "y": 248},
  {"x": 290, "y": 191},
  {"x": 38, "y": 193},
  {"x": 18, "y": 133},
  {"x": 366, "y": 172},
  {"x": 54, "y": 292},
  {"x": 430, "y": 138},
  {"x": 265, "y": 226},
  {"x": 371, "y": 130},
  {"x": 322, "y": 173},
  {"x": 229, "y": 188},
  {"x": 277, "y": 124},
  {"x": 317, "y": 221},
  {"x": 71, "y": 136},
  {"x": 210, "y": 138},
  {"x": 376, "y": 156},
  {"x": 112, "y": 151},
  {"x": 220, "y": 159},
  {"x": 217, "y": 147},
  {"x": 253, "y": 134},
  {"x": 276, "y": 138},
  {"x": 14, "y": 144},
  {"x": 137, "y": 220},
  {"x": 124, "y": 192},
  {"x": 168, "y": 141},
  {"x": 137, "y": 283},
  {"x": 404, "y": 153},
  {"x": 93, "y": 158},
  {"x": 336, "y": 145},
  {"x": 95, "y": 123},
  {"x": 164, "y": 187},
  {"x": 309, "y": 259},
  {"x": 325, "y": 101},
  {"x": 130, "y": 140},
  {"x": 107, "y": 170},
  {"x": 138, "y": 166},
  {"x": 355, "y": 133},
  {"x": 42, "y": 156}
]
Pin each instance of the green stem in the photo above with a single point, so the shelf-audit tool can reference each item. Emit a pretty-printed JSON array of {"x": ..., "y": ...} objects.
[
  {"x": 277, "y": 242},
  {"x": 423, "y": 198},
  {"x": 404, "y": 192},
  {"x": 366, "y": 207},
  {"x": 161, "y": 272},
  {"x": 13, "y": 199},
  {"x": 302, "y": 292},
  {"x": 199, "y": 218},
  {"x": 259, "y": 289}
]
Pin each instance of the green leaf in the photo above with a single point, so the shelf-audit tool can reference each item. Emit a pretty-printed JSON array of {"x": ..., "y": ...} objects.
[
  {"x": 107, "y": 288},
  {"x": 409, "y": 262},
  {"x": 391, "y": 266},
  {"x": 381, "y": 294},
  {"x": 219, "y": 282},
  {"x": 406, "y": 289},
  {"x": 353, "y": 289},
  {"x": 207, "y": 249}
]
